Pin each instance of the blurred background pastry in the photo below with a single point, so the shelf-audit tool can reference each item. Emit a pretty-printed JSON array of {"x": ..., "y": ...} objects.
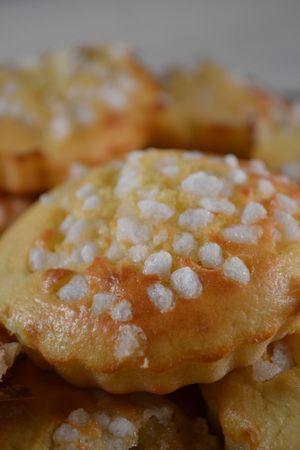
[
  {"x": 209, "y": 108},
  {"x": 83, "y": 105}
]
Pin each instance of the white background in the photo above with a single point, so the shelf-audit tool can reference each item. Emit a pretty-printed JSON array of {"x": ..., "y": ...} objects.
[{"x": 261, "y": 37}]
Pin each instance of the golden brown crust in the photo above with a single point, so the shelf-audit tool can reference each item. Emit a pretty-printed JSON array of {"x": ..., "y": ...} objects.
[
  {"x": 112, "y": 288},
  {"x": 212, "y": 110},
  {"x": 86, "y": 105},
  {"x": 257, "y": 407},
  {"x": 42, "y": 412}
]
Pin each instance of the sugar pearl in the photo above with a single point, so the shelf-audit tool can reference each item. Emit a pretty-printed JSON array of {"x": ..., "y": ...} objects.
[
  {"x": 253, "y": 213},
  {"x": 242, "y": 234},
  {"x": 238, "y": 176},
  {"x": 194, "y": 219},
  {"x": 129, "y": 339},
  {"x": 161, "y": 297},
  {"x": 158, "y": 263},
  {"x": 186, "y": 282},
  {"x": 75, "y": 289},
  {"x": 289, "y": 225},
  {"x": 203, "y": 184},
  {"x": 88, "y": 252},
  {"x": 138, "y": 253},
  {"x": 132, "y": 230},
  {"x": 184, "y": 244},
  {"x": 222, "y": 206},
  {"x": 121, "y": 427},
  {"x": 155, "y": 211},
  {"x": 286, "y": 203},
  {"x": 266, "y": 189},
  {"x": 122, "y": 311},
  {"x": 211, "y": 255},
  {"x": 235, "y": 269},
  {"x": 102, "y": 302},
  {"x": 232, "y": 161},
  {"x": 85, "y": 191},
  {"x": 91, "y": 202}
]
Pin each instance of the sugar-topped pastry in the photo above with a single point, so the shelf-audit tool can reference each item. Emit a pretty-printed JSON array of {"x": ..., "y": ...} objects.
[
  {"x": 210, "y": 108},
  {"x": 66, "y": 109},
  {"x": 257, "y": 407},
  {"x": 132, "y": 279},
  {"x": 41, "y": 411}
]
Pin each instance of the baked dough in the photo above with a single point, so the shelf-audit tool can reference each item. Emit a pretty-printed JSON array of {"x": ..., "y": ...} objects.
[
  {"x": 41, "y": 412},
  {"x": 258, "y": 407},
  {"x": 86, "y": 105},
  {"x": 166, "y": 269},
  {"x": 211, "y": 109},
  {"x": 280, "y": 146},
  {"x": 11, "y": 206}
]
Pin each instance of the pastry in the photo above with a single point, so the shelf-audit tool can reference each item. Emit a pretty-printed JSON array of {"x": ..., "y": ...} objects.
[
  {"x": 165, "y": 269},
  {"x": 11, "y": 206},
  {"x": 279, "y": 146},
  {"x": 86, "y": 105},
  {"x": 257, "y": 407},
  {"x": 211, "y": 109}
]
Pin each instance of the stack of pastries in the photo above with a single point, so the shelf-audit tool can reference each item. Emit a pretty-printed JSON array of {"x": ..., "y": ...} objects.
[{"x": 152, "y": 299}]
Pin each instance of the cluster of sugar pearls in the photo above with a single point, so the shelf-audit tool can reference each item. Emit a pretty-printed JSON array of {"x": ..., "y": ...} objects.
[
  {"x": 234, "y": 268},
  {"x": 137, "y": 233},
  {"x": 112, "y": 432},
  {"x": 83, "y": 234},
  {"x": 130, "y": 341},
  {"x": 107, "y": 302},
  {"x": 110, "y": 85},
  {"x": 130, "y": 338},
  {"x": 89, "y": 196}
]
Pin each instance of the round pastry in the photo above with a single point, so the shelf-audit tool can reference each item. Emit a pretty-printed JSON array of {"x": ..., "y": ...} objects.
[
  {"x": 163, "y": 270},
  {"x": 39, "y": 411},
  {"x": 86, "y": 105},
  {"x": 214, "y": 110},
  {"x": 257, "y": 407}
]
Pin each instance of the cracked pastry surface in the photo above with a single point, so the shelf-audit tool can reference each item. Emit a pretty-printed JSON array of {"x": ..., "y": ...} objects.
[
  {"x": 84, "y": 105},
  {"x": 162, "y": 270},
  {"x": 257, "y": 407},
  {"x": 209, "y": 108},
  {"x": 42, "y": 412}
]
